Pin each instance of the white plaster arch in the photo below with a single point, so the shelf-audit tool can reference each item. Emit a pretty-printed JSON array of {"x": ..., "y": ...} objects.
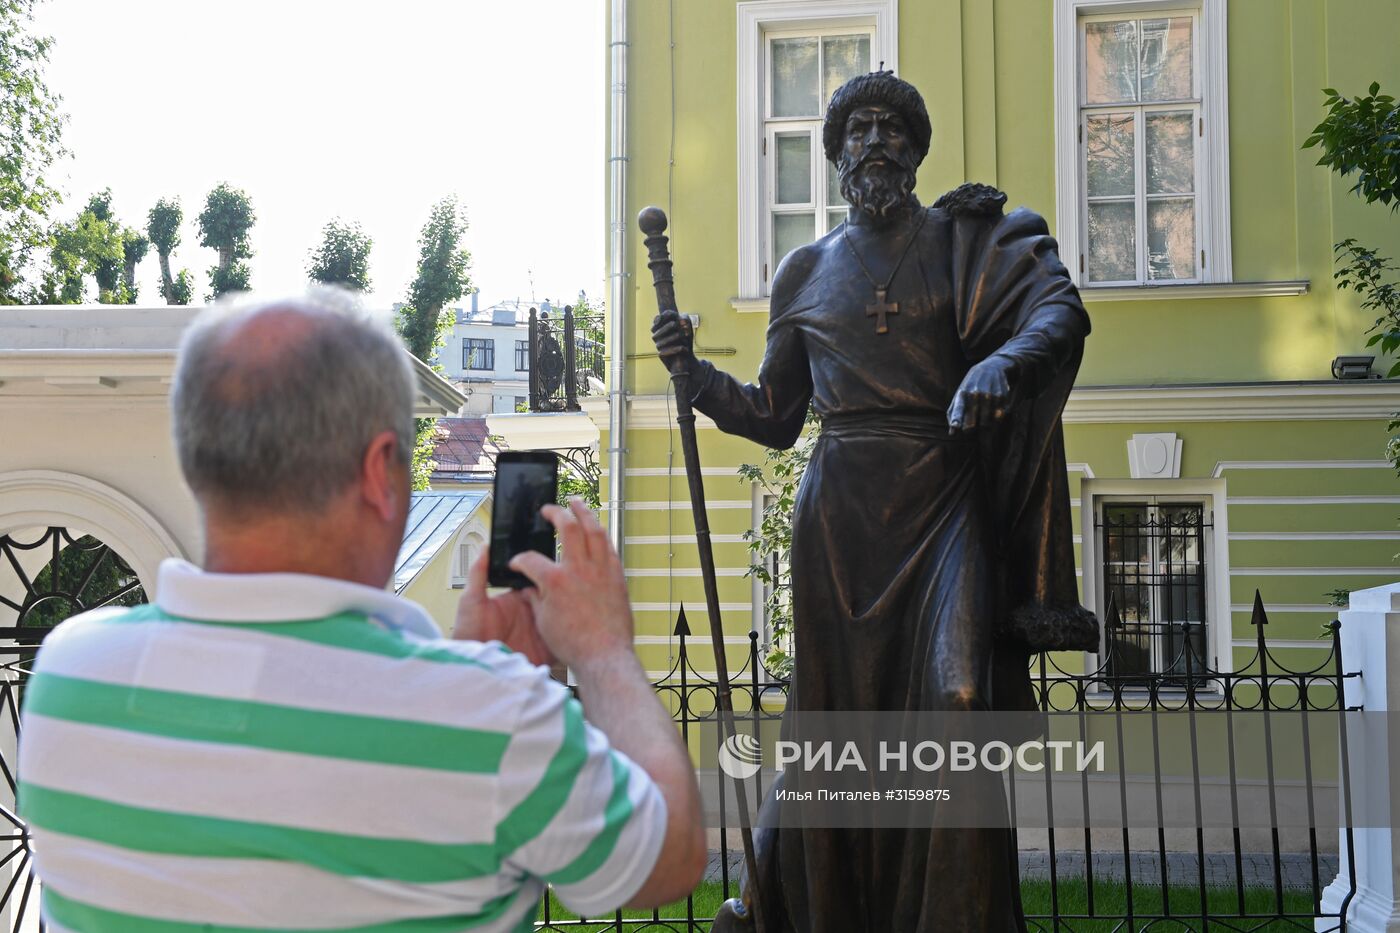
[
  {"x": 466, "y": 546},
  {"x": 41, "y": 498}
]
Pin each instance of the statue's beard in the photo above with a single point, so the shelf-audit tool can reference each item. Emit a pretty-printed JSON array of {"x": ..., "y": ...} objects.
[{"x": 878, "y": 191}]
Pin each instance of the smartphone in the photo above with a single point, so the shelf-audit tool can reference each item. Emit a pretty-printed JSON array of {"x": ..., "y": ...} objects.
[{"x": 526, "y": 480}]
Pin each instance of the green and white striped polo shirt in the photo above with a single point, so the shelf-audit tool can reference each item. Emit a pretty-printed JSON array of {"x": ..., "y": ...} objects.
[{"x": 279, "y": 751}]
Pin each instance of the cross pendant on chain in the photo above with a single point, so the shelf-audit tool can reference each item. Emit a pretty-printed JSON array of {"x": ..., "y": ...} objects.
[{"x": 879, "y": 309}]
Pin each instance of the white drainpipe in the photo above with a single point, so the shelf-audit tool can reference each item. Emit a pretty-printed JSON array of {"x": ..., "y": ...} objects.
[{"x": 619, "y": 224}]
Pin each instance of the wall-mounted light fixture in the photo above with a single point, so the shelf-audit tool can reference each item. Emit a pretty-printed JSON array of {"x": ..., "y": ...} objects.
[{"x": 1353, "y": 367}]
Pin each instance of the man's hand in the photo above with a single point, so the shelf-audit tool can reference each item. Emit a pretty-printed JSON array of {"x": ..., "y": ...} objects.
[
  {"x": 580, "y": 603},
  {"x": 674, "y": 337},
  {"x": 984, "y": 396},
  {"x": 508, "y": 618}
]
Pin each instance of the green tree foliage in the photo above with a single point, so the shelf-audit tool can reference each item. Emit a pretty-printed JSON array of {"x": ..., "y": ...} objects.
[
  {"x": 163, "y": 229},
  {"x": 1361, "y": 136},
  {"x": 442, "y": 278},
  {"x": 224, "y": 225},
  {"x": 182, "y": 290},
  {"x": 343, "y": 256},
  {"x": 89, "y": 245},
  {"x": 105, "y": 580},
  {"x": 30, "y": 142},
  {"x": 107, "y": 268},
  {"x": 770, "y": 544}
]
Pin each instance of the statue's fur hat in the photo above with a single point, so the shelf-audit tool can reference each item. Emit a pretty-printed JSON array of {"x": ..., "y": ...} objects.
[{"x": 877, "y": 87}]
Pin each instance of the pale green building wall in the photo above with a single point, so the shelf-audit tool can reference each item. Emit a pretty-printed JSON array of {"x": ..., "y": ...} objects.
[{"x": 986, "y": 71}]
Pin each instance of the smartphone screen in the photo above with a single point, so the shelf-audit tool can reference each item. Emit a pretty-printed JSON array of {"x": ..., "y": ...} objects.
[{"x": 525, "y": 481}]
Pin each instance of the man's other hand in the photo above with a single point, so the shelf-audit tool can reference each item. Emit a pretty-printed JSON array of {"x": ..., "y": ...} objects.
[
  {"x": 674, "y": 337},
  {"x": 580, "y": 602},
  {"x": 507, "y": 617}
]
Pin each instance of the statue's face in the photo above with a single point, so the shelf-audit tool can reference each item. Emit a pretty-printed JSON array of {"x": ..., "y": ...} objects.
[
  {"x": 877, "y": 133},
  {"x": 877, "y": 163}
]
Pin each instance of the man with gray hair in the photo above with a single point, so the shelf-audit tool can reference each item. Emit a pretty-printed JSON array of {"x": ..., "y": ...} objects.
[{"x": 279, "y": 743}]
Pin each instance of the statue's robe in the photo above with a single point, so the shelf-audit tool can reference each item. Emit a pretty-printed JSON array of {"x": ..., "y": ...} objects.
[{"x": 920, "y": 558}]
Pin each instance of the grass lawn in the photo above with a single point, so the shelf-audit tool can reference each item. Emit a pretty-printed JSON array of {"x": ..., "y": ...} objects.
[{"x": 1110, "y": 903}]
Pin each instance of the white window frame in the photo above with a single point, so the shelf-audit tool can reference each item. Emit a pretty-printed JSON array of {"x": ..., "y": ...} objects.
[
  {"x": 758, "y": 20},
  {"x": 1211, "y": 492},
  {"x": 1213, "y": 152}
]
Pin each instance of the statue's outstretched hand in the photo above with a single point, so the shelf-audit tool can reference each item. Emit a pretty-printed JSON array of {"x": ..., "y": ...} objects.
[
  {"x": 674, "y": 337},
  {"x": 983, "y": 398}
]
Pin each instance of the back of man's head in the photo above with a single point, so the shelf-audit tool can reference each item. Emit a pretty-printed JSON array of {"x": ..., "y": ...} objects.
[{"x": 275, "y": 401}]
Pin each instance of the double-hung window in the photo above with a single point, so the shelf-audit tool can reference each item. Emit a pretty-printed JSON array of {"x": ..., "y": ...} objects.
[
  {"x": 522, "y": 356},
  {"x": 803, "y": 196},
  {"x": 792, "y": 55},
  {"x": 478, "y": 353},
  {"x": 1141, "y": 156}
]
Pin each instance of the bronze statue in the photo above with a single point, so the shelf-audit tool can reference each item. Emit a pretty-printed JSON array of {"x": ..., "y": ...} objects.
[{"x": 932, "y": 551}]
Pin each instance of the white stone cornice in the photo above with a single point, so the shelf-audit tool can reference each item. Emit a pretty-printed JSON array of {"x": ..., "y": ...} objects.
[
  {"x": 544, "y": 430},
  {"x": 1257, "y": 401},
  {"x": 643, "y": 412},
  {"x": 76, "y": 372}
]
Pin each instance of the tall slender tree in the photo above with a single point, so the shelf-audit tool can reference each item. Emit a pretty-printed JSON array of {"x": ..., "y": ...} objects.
[
  {"x": 442, "y": 277},
  {"x": 134, "y": 249},
  {"x": 107, "y": 267},
  {"x": 224, "y": 225},
  {"x": 342, "y": 258},
  {"x": 163, "y": 228},
  {"x": 30, "y": 142}
]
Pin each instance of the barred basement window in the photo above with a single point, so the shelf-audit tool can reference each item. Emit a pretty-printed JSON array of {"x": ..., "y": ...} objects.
[{"x": 1154, "y": 570}]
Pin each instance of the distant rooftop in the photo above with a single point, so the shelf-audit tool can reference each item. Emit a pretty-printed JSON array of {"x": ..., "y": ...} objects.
[
  {"x": 464, "y": 451},
  {"x": 509, "y": 312},
  {"x": 434, "y": 518}
]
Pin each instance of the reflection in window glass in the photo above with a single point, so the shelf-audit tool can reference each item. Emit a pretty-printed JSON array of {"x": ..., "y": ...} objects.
[
  {"x": 843, "y": 57},
  {"x": 1166, "y": 59},
  {"x": 1171, "y": 238},
  {"x": 1110, "y": 150},
  {"x": 1112, "y": 242},
  {"x": 795, "y": 78},
  {"x": 791, "y": 231},
  {"x": 1171, "y": 155},
  {"x": 1110, "y": 62},
  {"x": 794, "y": 168}
]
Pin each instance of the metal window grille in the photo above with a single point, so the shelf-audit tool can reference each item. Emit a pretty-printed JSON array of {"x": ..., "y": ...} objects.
[{"x": 1154, "y": 572}]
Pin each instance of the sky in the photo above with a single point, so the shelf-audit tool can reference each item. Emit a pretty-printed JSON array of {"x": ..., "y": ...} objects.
[{"x": 367, "y": 111}]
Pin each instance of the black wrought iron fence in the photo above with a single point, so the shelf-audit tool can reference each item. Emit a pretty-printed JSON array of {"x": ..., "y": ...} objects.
[
  {"x": 566, "y": 358},
  {"x": 1086, "y": 885},
  {"x": 1082, "y": 884}
]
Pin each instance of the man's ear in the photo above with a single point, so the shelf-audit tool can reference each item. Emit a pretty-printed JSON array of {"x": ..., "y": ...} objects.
[{"x": 379, "y": 475}]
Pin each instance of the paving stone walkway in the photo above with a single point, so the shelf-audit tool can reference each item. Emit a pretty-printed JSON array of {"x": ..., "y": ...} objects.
[{"x": 1257, "y": 868}]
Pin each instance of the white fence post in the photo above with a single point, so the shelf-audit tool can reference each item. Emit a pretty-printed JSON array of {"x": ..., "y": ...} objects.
[{"x": 1371, "y": 644}]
